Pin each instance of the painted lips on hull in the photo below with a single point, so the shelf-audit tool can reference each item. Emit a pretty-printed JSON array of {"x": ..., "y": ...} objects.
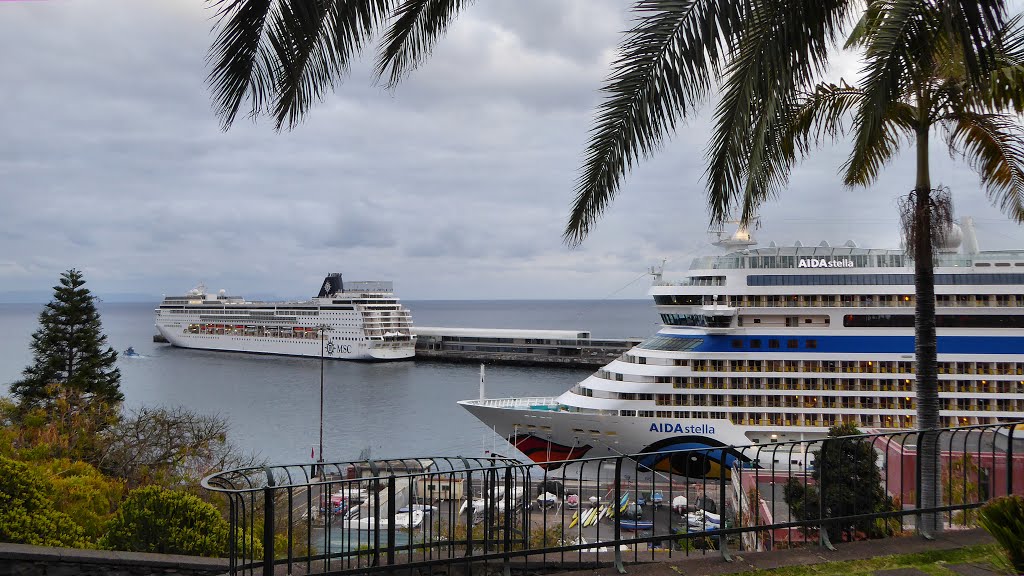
[{"x": 550, "y": 454}]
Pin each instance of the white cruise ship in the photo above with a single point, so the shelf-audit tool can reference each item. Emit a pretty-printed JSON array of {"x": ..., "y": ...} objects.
[
  {"x": 346, "y": 321},
  {"x": 770, "y": 344}
]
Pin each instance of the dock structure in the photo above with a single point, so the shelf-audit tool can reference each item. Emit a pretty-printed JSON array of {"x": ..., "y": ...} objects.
[{"x": 569, "y": 348}]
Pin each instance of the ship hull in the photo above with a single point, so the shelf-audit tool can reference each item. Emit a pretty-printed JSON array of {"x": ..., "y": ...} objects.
[
  {"x": 551, "y": 437},
  {"x": 285, "y": 346}
]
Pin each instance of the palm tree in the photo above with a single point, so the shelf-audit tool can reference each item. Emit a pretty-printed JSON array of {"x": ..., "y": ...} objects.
[
  {"x": 979, "y": 123},
  {"x": 951, "y": 65}
]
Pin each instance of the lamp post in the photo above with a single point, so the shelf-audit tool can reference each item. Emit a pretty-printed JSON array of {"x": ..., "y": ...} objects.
[{"x": 320, "y": 457}]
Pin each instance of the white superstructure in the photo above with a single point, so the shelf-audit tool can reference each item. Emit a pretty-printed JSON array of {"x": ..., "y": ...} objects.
[
  {"x": 346, "y": 321},
  {"x": 762, "y": 345}
]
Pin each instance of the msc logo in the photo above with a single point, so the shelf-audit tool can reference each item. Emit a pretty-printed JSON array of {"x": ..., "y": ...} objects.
[{"x": 340, "y": 348}]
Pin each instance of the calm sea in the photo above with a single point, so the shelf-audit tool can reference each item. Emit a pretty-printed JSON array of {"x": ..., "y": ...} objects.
[{"x": 395, "y": 409}]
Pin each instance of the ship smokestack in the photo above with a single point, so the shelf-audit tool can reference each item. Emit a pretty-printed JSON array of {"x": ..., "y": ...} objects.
[
  {"x": 332, "y": 285},
  {"x": 970, "y": 245}
]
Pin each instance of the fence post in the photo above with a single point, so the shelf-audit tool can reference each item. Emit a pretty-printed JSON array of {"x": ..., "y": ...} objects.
[
  {"x": 1010, "y": 428},
  {"x": 507, "y": 537},
  {"x": 391, "y": 519},
  {"x": 469, "y": 509},
  {"x": 617, "y": 529},
  {"x": 268, "y": 525},
  {"x": 375, "y": 498}
]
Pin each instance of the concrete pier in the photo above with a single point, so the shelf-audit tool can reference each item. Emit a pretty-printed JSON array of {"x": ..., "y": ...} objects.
[{"x": 569, "y": 348}]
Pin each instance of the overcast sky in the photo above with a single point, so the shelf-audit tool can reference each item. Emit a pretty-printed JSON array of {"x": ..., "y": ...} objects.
[{"x": 456, "y": 185}]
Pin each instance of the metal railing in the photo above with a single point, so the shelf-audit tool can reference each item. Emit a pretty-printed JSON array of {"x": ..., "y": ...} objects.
[{"x": 407, "y": 514}]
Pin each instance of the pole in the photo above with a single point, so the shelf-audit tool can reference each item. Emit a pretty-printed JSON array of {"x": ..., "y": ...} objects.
[{"x": 320, "y": 459}]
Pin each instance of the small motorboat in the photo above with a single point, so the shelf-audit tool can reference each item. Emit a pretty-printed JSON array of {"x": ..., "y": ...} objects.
[
  {"x": 657, "y": 499},
  {"x": 679, "y": 504},
  {"x": 636, "y": 525},
  {"x": 130, "y": 352},
  {"x": 425, "y": 508}
]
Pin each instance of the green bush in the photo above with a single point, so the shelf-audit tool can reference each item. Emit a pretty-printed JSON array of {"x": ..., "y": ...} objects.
[
  {"x": 28, "y": 514},
  {"x": 1004, "y": 520},
  {"x": 83, "y": 493},
  {"x": 153, "y": 519}
]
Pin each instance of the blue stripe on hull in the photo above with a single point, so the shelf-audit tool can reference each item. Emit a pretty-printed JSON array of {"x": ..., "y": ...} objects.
[{"x": 861, "y": 344}]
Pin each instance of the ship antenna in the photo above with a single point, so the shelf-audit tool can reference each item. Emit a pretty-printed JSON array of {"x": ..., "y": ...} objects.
[{"x": 657, "y": 271}]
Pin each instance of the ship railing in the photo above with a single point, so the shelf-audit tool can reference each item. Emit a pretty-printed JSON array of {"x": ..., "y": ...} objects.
[
  {"x": 489, "y": 514},
  {"x": 524, "y": 403}
]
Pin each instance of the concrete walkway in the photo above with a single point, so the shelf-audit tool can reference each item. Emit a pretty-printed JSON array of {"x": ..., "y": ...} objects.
[{"x": 713, "y": 565}]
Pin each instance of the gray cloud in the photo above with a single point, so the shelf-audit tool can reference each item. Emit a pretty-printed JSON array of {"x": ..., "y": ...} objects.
[{"x": 456, "y": 184}]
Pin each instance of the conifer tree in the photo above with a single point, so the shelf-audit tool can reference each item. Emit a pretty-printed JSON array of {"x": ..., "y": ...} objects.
[{"x": 68, "y": 351}]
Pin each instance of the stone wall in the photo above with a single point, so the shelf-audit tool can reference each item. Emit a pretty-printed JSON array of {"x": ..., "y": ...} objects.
[{"x": 24, "y": 560}]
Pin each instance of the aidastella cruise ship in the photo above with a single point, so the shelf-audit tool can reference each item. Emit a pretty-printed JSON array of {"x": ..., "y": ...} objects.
[
  {"x": 346, "y": 321},
  {"x": 778, "y": 343}
]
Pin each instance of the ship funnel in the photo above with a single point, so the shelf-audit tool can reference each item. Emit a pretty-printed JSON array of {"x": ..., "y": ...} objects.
[
  {"x": 970, "y": 243},
  {"x": 332, "y": 285}
]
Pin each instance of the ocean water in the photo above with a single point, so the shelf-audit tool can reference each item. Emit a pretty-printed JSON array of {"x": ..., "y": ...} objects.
[{"x": 398, "y": 409}]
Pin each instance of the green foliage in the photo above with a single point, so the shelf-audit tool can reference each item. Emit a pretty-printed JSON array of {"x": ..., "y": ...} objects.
[
  {"x": 848, "y": 482},
  {"x": 28, "y": 513},
  {"x": 70, "y": 425},
  {"x": 81, "y": 492},
  {"x": 153, "y": 519},
  {"x": 1004, "y": 520},
  {"x": 68, "y": 352},
  {"x": 959, "y": 488}
]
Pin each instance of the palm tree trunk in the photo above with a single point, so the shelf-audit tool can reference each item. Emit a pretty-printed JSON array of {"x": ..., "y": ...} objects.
[{"x": 925, "y": 347}]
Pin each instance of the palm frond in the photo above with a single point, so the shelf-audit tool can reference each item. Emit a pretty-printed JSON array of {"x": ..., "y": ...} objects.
[
  {"x": 311, "y": 44},
  {"x": 993, "y": 144},
  {"x": 408, "y": 41},
  {"x": 864, "y": 27},
  {"x": 1005, "y": 87},
  {"x": 782, "y": 47},
  {"x": 898, "y": 56},
  {"x": 284, "y": 55},
  {"x": 868, "y": 157},
  {"x": 821, "y": 114},
  {"x": 975, "y": 25},
  {"x": 236, "y": 72},
  {"x": 667, "y": 64}
]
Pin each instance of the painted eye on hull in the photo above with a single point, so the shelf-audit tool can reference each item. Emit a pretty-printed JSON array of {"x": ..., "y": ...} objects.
[
  {"x": 691, "y": 457},
  {"x": 550, "y": 453}
]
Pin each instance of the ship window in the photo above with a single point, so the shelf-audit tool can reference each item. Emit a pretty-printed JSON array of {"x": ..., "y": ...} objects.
[
  {"x": 812, "y": 344},
  {"x": 773, "y": 343},
  {"x": 755, "y": 343},
  {"x": 791, "y": 344},
  {"x": 670, "y": 343},
  {"x": 737, "y": 343}
]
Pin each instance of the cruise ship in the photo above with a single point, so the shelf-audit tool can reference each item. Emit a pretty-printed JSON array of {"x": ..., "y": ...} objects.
[
  {"x": 770, "y": 344},
  {"x": 345, "y": 321}
]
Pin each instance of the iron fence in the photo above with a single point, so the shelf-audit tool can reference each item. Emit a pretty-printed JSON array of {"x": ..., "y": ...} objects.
[{"x": 421, "y": 513}]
